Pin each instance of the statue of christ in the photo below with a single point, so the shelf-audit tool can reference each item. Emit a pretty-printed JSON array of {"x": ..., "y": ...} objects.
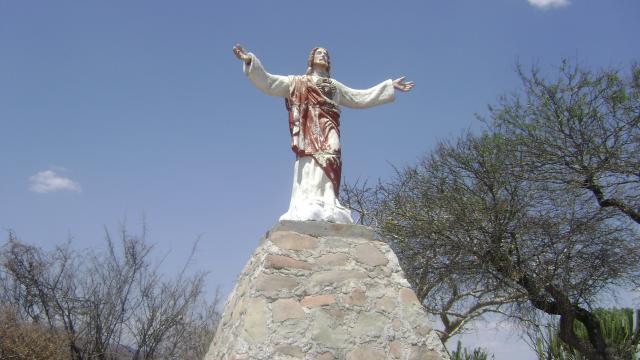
[{"x": 313, "y": 101}]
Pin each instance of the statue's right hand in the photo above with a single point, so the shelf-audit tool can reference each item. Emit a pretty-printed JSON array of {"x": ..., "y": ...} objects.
[{"x": 241, "y": 53}]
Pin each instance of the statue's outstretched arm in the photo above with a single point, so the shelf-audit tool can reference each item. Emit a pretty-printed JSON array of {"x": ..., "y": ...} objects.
[
  {"x": 377, "y": 95},
  {"x": 274, "y": 85},
  {"x": 364, "y": 98}
]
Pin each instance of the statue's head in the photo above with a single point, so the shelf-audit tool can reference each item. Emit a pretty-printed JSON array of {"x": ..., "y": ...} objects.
[{"x": 319, "y": 58}]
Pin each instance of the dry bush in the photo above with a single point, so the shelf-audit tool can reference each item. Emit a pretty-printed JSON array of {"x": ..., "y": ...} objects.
[
  {"x": 20, "y": 340},
  {"x": 103, "y": 305}
]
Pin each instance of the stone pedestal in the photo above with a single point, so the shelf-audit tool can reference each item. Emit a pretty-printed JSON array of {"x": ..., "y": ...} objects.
[{"x": 315, "y": 290}]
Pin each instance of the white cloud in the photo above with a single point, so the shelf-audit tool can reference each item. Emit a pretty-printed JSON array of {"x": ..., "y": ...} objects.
[
  {"x": 547, "y": 4},
  {"x": 48, "y": 181}
]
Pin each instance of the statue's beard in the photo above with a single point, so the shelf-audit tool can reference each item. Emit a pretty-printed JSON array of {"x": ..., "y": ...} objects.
[{"x": 322, "y": 70}]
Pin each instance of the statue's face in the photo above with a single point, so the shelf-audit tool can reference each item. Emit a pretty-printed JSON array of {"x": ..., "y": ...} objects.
[{"x": 321, "y": 58}]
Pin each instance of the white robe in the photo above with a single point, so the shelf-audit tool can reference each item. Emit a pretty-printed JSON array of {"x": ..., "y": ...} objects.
[{"x": 312, "y": 195}]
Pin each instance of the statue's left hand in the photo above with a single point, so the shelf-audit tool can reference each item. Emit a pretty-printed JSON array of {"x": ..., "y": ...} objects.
[
  {"x": 242, "y": 54},
  {"x": 402, "y": 85}
]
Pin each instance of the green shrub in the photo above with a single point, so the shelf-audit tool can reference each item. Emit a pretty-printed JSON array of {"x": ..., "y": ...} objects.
[{"x": 466, "y": 354}]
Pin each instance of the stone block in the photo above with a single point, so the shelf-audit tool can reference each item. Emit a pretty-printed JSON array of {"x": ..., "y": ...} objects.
[
  {"x": 284, "y": 309},
  {"x": 320, "y": 228},
  {"x": 293, "y": 351},
  {"x": 325, "y": 356},
  {"x": 386, "y": 303},
  {"x": 331, "y": 338},
  {"x": 285, "y": 262},
  {"x": 365, "y": 352},
  {"x": 266, "y": 282},
  {"x": 290, "y": 329},
  {"x": 408, "y": 297},
  {"x": 317, "y": 300},
  {"x": 255, "y": 320},
  {"x": 239, "y": 357},
  {"x": 336, "y": 276},
  {"x": 370, "y": 255},
  {"x": 289, "y": 240},
  {"x": 338, "y": 259},
  {"x": 369, "y": 324},
  {"x": 423, "y": 353},
  {"x": 423, "y": 329},
  {"x": 395, "y": 349},
  {"x": 336, "y": 243},
  {"x": 325, "y": 331},
  {"x": 356, "y": 297},
  {"x": 338, "y": 314}
]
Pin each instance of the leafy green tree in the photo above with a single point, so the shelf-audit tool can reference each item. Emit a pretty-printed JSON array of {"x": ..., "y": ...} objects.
[
  {"x": 579, "y": 131},
  {"x": 508, "y": 222}
]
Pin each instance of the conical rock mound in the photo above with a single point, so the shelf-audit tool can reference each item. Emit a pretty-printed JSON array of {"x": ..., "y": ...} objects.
[{"x": 315, "y": 290}]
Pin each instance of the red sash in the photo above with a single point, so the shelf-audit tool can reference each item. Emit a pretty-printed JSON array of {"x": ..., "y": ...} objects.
[{"x": 312, "y": 117}]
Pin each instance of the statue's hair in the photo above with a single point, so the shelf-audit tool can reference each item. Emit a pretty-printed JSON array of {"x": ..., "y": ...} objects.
[{"x": 310, "y": 60}]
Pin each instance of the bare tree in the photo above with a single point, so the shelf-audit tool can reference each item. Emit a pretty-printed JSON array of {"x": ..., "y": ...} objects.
[
  {"x": 113, "y": 304},
  {"x": 192, "y": 338},
  {"x": 363, "y": 200}
]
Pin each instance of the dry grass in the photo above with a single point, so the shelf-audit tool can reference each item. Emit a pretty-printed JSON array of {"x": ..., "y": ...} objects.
[{"x": 26, "y": 341}]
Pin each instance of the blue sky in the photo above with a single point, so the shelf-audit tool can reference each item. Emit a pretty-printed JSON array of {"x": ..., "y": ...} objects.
[{"x": 111, "y": 110}]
